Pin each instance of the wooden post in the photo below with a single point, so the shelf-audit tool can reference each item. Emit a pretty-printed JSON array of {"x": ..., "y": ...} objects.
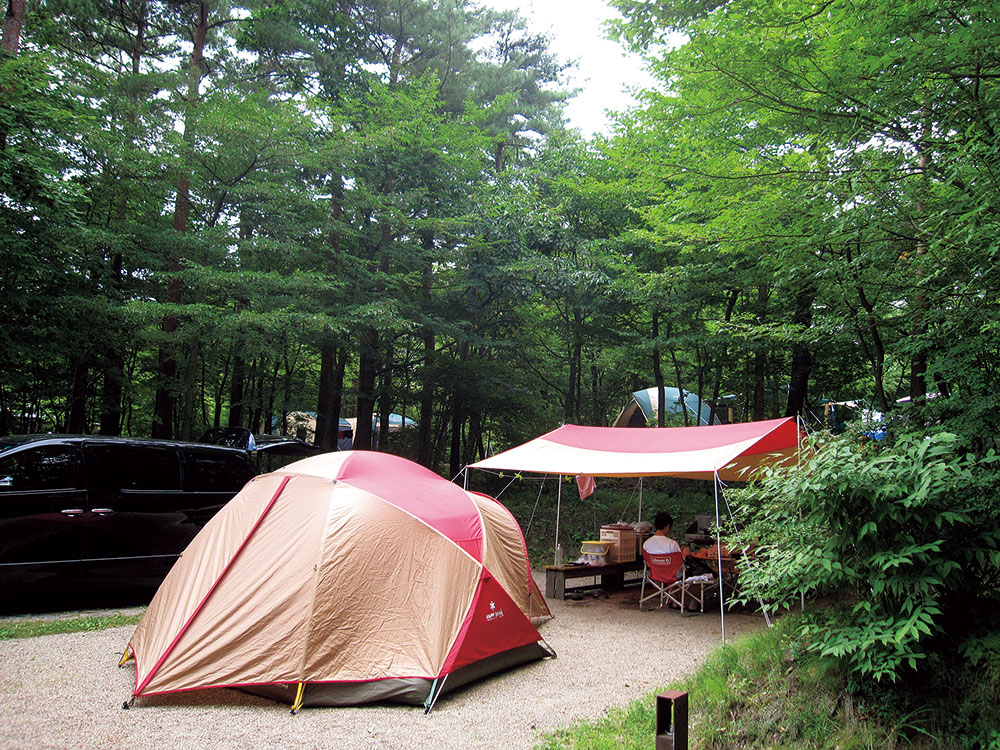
[{"x": 672, "y": 720}]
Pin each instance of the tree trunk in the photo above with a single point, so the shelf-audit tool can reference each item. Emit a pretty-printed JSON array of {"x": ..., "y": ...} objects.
[
  {"x": 918, "y": 366},
  {"x": 76, "y": 419},
  {"x": 368, "y": 359},
  {"x": 114, "y": 362},
  {"x": 458, "y": 416},
  {"x": 113, "y": 367},
  {"x": 332, "y": 368},
  {"x": 877, "y": 353},
  {"x": 384, "y": 400},
  {"x": 111, "y": 393},
  {"x": 165, "y": 398},
  {"x": 760, "y": 362},
  {"x": 330, "y": 385},
  {"x": 425, "y": 447},
  {"x": 572, "y": 410},
  {"x": 700, "y": 381},
  {"x": 367, "y": 370},
  {"x": 13, "y": 24},
  {"x": 598, "y": 407},
  {"x": 191, "y": 385},
  {"x": 679, "y": 385},
  {"x": 734, "y": 296},
  {"x": 802, "y": 359},
  {"x": 336, "y": 396},
  {"x": 455, "y": 462},
  {"x": 474, "y": 440},
  {"x": 236, "y": 392},
  {"x": 658, "y": 373}
]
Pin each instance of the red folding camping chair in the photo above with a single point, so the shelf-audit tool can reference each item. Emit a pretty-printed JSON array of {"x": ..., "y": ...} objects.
[{"x": 660, "y": 571}]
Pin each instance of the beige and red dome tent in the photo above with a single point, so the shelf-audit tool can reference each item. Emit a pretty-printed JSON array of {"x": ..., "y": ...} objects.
[{"x": 344, "y": 578}]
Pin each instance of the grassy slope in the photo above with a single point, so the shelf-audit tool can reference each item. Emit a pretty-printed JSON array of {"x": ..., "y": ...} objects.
[{"x": 758, "y": 692}]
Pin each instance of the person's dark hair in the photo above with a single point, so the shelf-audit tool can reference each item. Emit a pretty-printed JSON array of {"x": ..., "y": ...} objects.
[{"x": 662, "y": 520}]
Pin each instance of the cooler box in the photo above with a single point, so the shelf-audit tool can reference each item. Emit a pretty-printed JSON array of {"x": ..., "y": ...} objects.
[{"x": 623, "y": 540}]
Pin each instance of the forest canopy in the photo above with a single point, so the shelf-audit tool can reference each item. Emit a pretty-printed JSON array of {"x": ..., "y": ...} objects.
[{"x": 222, "y": 213}]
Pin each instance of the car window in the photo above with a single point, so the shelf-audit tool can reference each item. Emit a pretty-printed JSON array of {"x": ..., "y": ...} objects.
[
  {"x": 134, "y": 467},
  {"x": 46, "y": 467},
  {"x": 215, "y": 471}
]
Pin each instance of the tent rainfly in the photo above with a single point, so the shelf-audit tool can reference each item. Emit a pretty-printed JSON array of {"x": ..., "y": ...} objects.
[
  {"x": 723, "y": 453},
  {"x": 644, "y": 406},
  {"x": 341, "y": 579},
  {"x": 731, "y": 452}
]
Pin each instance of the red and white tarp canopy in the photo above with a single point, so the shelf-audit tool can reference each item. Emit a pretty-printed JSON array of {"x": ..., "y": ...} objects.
[{"x": 732, "y": 451}]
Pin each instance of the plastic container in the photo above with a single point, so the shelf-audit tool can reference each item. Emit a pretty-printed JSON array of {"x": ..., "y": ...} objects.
[{"x": 595, "y": 552}]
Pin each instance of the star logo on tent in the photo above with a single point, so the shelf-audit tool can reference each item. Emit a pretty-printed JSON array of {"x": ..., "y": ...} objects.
[{"x": 493, "y": 605}]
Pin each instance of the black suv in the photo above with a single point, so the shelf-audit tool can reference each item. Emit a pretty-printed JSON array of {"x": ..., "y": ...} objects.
[
  {"x": 104, "y": 512},
  {"x": 268, "y": 452}
]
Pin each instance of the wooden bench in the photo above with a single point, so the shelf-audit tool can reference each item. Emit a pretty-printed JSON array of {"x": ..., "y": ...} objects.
[{"x": 610, "y": 577}]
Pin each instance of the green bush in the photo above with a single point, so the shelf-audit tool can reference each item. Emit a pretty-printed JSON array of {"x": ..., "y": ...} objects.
[{"x": 904, "y": 543}]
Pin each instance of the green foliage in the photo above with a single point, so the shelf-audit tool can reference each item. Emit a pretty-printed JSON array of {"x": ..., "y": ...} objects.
[{"x": 903, "y": 539}]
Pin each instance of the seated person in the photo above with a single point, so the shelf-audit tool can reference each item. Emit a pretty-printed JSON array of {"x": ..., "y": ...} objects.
[{"x": 661, "y": 543}]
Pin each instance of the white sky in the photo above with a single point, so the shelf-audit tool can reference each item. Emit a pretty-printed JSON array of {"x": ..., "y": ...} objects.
[{"x": 603, "y": 72}]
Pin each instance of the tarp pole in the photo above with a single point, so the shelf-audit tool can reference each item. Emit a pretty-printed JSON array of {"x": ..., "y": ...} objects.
[
  {"x": 747, "y": 560},
  {"x": 465, "y": 479},
  {"x": 640, "y": 500},
  {"x": 718, "y": 549},
  {"x": 800, "y": 424},
  {"x": 555, "y": 549}
]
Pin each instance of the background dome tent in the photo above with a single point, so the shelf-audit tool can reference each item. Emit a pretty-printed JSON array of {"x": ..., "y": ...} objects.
[
  {"x": 341, "y": 579},
  {"x": 643, "y": 406}
]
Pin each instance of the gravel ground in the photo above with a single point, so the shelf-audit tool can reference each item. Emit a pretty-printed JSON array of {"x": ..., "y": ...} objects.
[{"x": 66, "y": 691}]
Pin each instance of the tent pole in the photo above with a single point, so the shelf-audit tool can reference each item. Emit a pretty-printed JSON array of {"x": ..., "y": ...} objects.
[
  {"x": 465, "y": 479},
  {"x": 555, "y": 550},
  {"x": 718, "y": 549},
  {"x": 434, "y": 693},
  {"x": 640, "y": 500}
]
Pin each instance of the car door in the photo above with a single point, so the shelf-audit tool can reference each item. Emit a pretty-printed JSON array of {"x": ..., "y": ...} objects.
[
  {"x": 137, "y": 513},
  {"x": 43, "y": 518},
  {"x": 211, "y": 478}
]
